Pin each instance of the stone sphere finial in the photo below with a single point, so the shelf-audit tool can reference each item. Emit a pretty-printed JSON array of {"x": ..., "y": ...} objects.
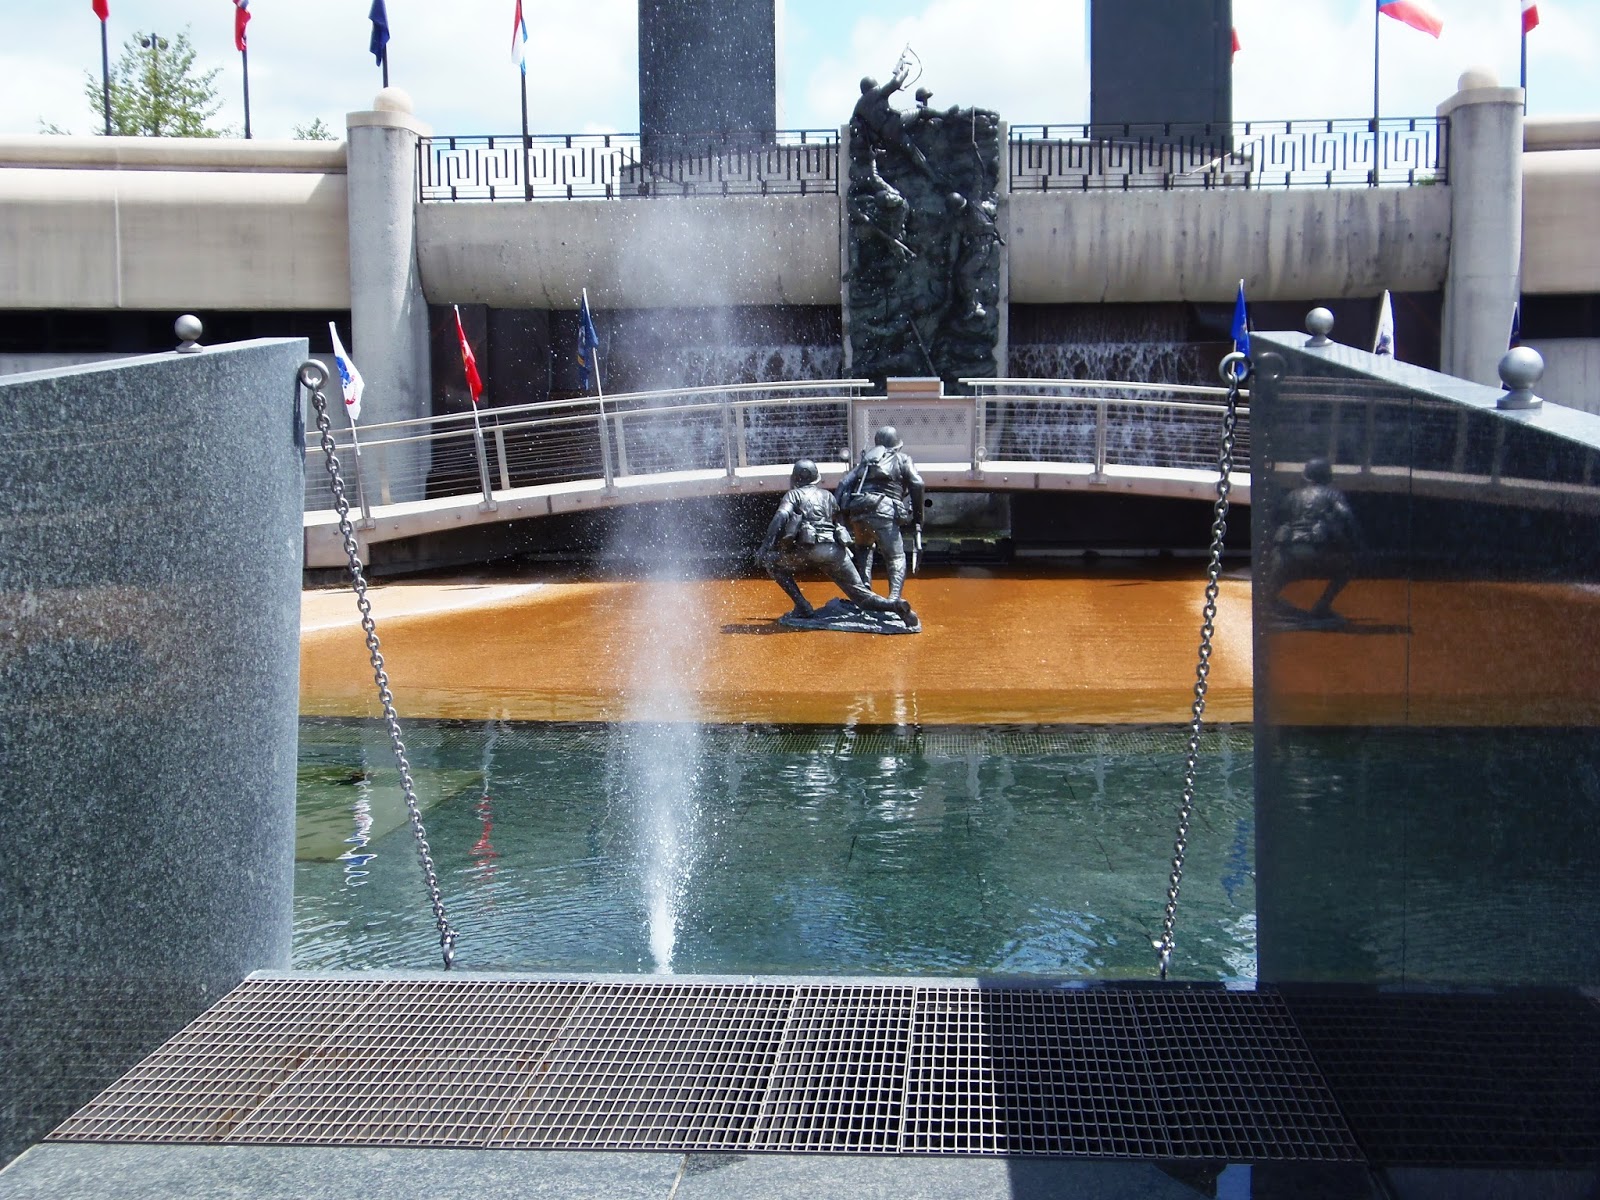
[
  {"x": 1319, "y": 324},
  {"x": 188, "y": 329},
  {"x": 1476, "y": 77},
  {"x": 392, "y": 99},
  {"x": 1520, "y": 368}
]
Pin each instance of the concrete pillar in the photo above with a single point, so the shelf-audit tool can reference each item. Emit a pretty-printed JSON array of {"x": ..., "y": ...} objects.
[
  {"x": 1484, "y": 275},
  {"x": 388, "y": 315}
]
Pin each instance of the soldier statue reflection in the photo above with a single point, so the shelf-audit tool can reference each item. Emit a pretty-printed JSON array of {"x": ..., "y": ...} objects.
[{"x": 1315, "y": 537}]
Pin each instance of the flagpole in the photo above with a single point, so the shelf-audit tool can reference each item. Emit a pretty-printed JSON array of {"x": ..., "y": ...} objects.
[
  {"x": 1524, "y": 68},
  {"x": 361, "y": 492},
  {"x": 244, "y": 57},
  {"x": 527, "y": 142},
  {"x": 105, "y": 74},
  {"x": 600, "y": 396},
  {"x": 1377, "y": 24},
  {"x": 386, "y": 64}
]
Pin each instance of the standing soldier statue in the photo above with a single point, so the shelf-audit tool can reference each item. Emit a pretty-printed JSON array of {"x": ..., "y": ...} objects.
[
  {"x": 882, "y": 494},
  {"x": 806, "y": 533}
]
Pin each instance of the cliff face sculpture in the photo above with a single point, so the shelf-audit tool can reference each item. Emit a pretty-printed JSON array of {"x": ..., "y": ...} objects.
[{"x": 924, "y": 248}]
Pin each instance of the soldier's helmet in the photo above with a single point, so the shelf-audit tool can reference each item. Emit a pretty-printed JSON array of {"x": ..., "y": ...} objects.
[
  {"x": 868, "y": 84},
  {"x": 804, "y": 472},
  {"x": 924, "y": 95},
  {"x": 1318, "y": 470},
  {"x": 888, "y": 437}
]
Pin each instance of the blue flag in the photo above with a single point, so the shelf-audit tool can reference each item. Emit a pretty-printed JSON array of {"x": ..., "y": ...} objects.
[
  {"x": 1241, "y": 324},
  {"x": 380, "y": 32},
  {"x": 588, "y": 346}
]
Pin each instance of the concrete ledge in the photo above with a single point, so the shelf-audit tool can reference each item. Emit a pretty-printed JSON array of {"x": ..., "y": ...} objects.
[{"x": 167, "y": 154}]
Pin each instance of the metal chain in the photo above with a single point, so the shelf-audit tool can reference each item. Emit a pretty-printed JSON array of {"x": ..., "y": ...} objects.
[
  {"x": 1208, "y": 615},
  {"x": 312, "y": 376}
]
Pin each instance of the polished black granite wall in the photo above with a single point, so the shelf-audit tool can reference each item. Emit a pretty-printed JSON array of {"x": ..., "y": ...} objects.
[{"x": 1428, "y": 749}]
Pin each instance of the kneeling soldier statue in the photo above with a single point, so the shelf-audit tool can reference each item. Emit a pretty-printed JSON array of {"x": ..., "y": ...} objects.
[{"x": 806, "y": 533}]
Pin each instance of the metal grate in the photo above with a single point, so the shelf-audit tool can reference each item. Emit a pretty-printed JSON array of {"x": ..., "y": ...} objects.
[
  {"x": 1459, "y": 1080},
  {"x": 840, "y": 1075},
  {"x": 217, "y": 1070},
  {"x": 655, "y": 1067},
  {"x": 1236, "y": 1080},
  {"x": 855, "y": 1067},
  {"x": 1030, "y": 1072},
  {"x": 436, "y": 1063}
]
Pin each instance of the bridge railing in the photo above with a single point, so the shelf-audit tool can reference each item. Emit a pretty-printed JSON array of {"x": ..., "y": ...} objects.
[
  {"x": 726, "y": 430},
  {"x": 1403, "y": 151}
]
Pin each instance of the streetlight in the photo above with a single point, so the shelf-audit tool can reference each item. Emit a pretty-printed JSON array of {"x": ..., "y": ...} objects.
[{"x": 155, "y": 45}]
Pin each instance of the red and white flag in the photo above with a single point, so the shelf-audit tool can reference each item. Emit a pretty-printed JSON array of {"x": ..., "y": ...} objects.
[
  {"x": 468, "y": 361},
  {"x": 519, "y": 40},
  {"x": 1236, "y": 40},
  {"x": 1416, "y": 13},
  {"x": 102, "y": 9},
  {"x": 1530, "y": 16},
  {"x": 241, "y": 18}
]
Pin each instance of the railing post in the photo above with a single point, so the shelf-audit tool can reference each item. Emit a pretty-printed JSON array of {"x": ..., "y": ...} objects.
[
  {"x": 978, "y": 438},
  {"x": 1101, "y": 414},
  {"x": 728, "y": 448},
  {"x": 500, "y": 453},
  {"x": 483, "y": 468},
  {"x": 361, "y": 492},
  {"x": 607, "y": 468},
  {"x": 1369, "y": 436}
]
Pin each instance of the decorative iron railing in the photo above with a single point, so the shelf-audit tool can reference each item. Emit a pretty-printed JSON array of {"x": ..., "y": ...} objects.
[
  {"x": 1252, "y": 154},
  {"x": 619, "y": 165}
]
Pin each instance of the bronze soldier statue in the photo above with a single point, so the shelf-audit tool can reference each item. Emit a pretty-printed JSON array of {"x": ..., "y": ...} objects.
[
  {"x": 882, "y": 494},
  {"x": 1316, "y": 537},
  {"x": 805, "y": 533}
]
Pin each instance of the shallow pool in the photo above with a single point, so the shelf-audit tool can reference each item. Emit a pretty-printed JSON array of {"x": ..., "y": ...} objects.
[{"x": 961, "y": 850}]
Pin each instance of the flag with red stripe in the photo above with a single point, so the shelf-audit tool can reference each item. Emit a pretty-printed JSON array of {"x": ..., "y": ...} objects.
[
  {"x": 102, "y": 9},
  {"x": 241, "y": 18},
  {"x": 468, "y": 360},
  {"x": 1530, "y": 15},
  {"x": 1416, "y": 13}
]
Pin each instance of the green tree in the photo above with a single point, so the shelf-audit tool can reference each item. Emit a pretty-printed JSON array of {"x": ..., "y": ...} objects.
[
  {"x": 317, "y": 131},
  {"x": 155, "y": 92}
]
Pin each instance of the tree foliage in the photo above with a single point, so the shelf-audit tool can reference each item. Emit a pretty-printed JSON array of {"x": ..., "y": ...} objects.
[
  {"x": 155, "y": 92},
  {"x": 317, "y": 131}
]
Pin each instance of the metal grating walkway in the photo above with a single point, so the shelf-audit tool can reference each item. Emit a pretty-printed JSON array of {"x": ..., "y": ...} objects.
[{"x": 865, "y": 1068}]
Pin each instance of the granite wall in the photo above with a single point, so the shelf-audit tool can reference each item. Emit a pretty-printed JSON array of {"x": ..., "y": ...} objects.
[{"x": 150, "y": 552}]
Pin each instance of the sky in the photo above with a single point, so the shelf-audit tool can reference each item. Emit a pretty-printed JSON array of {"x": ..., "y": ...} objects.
[{"x": 1026, "y": 59}]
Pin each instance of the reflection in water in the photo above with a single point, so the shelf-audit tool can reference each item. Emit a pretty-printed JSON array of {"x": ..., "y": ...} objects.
[
  {"x": 483, "y": 852},
  {"x": 356, "y": 858}
]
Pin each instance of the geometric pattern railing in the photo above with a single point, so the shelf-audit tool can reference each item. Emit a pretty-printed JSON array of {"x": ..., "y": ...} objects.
[
  {"x": 620, "y": 165},
  {"x": 1250, "y": 154}
]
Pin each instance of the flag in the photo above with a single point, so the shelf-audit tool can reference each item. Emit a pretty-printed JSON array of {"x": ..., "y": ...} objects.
[
  {"x": 350, "y": 381},
  {"x": 102, "y": 9},
  {"x": 519, "y": 40},
  {"x": 1530, "y": 16},
  {"x": 241, "y": 18},
  {"x": 1241, "y": 324},
  {"x": 1516, "y": 326},
  {"x": 588, "y": 344},
  {"x": 379, "y": 45},
  {"x": 1416, "y": 13},
  {"x": 468, "y": 361},
  {"x": 1236, "y": 41},
  {"x": 1383, "y": 340}
]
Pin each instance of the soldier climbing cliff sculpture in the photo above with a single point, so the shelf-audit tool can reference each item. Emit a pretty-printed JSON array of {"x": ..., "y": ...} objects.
[
  {"x": 807, "y": 533},
  {"x": 923, "y": 277}
]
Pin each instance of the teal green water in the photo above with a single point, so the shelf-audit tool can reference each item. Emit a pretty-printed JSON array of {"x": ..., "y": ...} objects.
[{"x": 957, "y": 851}]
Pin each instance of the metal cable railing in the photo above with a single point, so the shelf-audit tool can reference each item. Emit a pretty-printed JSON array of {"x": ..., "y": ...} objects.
[{"x": 652, "y": 434}]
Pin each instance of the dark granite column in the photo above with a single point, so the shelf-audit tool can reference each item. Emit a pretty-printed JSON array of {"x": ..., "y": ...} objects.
[{"x": 150, "y": 552}]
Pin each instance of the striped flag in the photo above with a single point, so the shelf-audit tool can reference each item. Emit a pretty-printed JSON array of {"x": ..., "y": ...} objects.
[
  {"x": 1383, "y": 340},
  {"x": 350, "y": 381},
  {"x": 519, "y": 40},
  {"x": 1416, "y": 13},
  {"x": 1530, "y": 16},
  {"x": 469, "y": 361},
  {"x": 102, "y": 9},
  {"x": 241, "y": 18}
]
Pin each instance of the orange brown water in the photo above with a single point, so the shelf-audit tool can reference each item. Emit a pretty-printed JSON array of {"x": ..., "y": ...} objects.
[
  {"x": 1083, "y": 648},
  {"x": 996, "y": 648}
]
